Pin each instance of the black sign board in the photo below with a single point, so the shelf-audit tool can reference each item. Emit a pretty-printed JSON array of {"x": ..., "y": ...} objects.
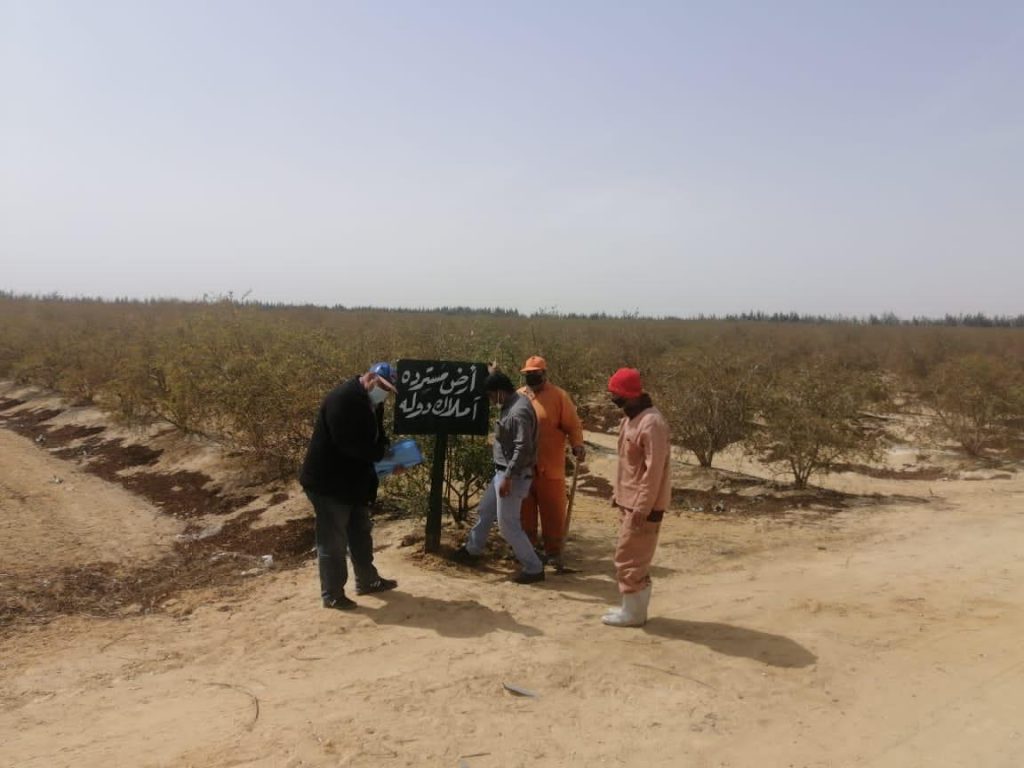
[{"x": 441, "y": 397}]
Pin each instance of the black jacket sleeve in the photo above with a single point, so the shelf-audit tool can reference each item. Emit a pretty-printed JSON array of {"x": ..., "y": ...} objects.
[{"x": 355, "y": 430}]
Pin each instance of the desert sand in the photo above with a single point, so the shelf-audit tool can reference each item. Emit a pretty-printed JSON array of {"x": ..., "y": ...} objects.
[{"x": 879, "y": 625}]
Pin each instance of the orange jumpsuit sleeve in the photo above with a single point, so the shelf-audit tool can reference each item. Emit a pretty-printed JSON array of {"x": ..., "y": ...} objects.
[{"x": 570, "y": 421}]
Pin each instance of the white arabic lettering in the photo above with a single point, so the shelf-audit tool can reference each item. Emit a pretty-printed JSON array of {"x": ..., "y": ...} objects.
[{"x": 441, "y": 394}]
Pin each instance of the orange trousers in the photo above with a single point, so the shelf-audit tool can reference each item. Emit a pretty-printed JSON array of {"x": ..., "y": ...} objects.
[{"x": 546, "y": 497}]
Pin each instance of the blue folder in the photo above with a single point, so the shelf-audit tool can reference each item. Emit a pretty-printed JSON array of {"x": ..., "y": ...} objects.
[{"x": 404, "y": 453}]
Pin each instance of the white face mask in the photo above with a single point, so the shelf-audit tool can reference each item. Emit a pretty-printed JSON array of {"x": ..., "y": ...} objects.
[{"x": 378, "y": 395}]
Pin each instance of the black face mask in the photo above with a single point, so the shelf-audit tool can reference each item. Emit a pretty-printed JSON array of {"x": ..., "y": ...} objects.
[
  {"x": 533, "y": 379},
  {"x": 620, "y": 402}
]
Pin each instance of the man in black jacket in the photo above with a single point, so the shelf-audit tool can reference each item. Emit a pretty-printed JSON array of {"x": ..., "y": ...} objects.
[{"x": 340, "y": 480}]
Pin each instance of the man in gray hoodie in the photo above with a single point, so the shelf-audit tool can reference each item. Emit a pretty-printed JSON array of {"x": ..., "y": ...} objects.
[{"x": 515, "y": 454}]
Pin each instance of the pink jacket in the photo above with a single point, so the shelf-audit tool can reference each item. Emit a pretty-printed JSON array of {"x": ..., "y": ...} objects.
[{"x": 644, "y": 481}]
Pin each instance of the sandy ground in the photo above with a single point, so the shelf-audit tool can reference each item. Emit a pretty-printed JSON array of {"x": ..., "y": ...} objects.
[
  {"x": 74, "y": 516},
  {"x": 887, "y": 633}
]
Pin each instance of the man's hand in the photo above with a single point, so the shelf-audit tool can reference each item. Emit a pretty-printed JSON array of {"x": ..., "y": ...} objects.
[
  {"x": 580, "y": 452},
  {"x": 637, "y": 518},
  {"x": 505, "y": 486}
]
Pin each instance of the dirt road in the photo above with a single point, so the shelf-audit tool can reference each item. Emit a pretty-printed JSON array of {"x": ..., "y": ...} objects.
[{"x": 887, "y": 633}]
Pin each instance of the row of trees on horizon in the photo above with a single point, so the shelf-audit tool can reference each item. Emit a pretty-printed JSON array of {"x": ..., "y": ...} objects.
[{"x": 967, "y": 320}]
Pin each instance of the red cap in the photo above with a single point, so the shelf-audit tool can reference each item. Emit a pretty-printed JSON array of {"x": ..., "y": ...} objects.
[
  {"x": 626, "y": 382},
  {"x": 535, "y": 363}
]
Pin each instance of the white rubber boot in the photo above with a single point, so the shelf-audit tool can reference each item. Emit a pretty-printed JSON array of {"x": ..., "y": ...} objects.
[
  {"x": 633, "y": 612},
  {"x": 612, "y": 615}
]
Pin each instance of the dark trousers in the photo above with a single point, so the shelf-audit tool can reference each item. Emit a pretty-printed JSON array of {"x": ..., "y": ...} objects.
[{"x": 341, "y": 527}]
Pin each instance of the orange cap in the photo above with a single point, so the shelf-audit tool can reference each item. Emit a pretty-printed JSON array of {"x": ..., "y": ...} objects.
[{"x": 535, "y": 363}]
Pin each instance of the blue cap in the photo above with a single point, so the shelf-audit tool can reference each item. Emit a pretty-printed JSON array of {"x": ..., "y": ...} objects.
[{"x": 384, "y": 371}]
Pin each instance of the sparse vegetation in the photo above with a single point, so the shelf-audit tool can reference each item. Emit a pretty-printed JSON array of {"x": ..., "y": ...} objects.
[
  {"x": 813, "y": 418},
  {"x": 709, "y": 398},
  {"x": 978, "y": 399},
  {"x": 252, "y": 375}
]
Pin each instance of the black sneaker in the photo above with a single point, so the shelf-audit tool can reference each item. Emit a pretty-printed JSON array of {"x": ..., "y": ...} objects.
[
  {"x": 340, "y": 603},
  {"x": 463, "y": 555},
  {"x": 380, "y": 585},
  {"x": 528, "y": 578}
]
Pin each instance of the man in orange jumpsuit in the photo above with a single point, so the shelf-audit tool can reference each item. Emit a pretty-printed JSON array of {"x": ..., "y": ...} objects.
[{"x": 557, "y": 422}]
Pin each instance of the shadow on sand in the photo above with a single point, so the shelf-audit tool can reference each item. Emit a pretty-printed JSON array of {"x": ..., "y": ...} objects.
[
  {"x": 449, "y": 618},
  {"x": 773, "y": 650}
]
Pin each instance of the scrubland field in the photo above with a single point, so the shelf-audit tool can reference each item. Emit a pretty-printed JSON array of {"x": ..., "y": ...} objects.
[{"x": 840, "y": 581}]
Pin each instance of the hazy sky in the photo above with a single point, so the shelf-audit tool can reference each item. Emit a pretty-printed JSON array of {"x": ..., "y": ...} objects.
[{"x": 667, "y": 157}]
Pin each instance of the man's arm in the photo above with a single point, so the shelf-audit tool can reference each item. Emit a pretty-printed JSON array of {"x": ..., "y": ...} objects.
[
  {"x": 353, "y": 428},
  {"x": 524, "y": 437},
  {"x": 524, "y": 429},
  {"x": 570, "y": 424}
]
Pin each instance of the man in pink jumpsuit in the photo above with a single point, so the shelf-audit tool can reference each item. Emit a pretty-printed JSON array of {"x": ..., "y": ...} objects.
[{"x": 643, "y": 489}]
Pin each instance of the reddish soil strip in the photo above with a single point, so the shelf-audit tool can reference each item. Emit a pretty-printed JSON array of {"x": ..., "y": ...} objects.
[
  {"x": 109, "y": 589},
  {"x": 885, "y": 473},
  {"x": 225, "y": 557},
  {"x": 27, "y": 423},
  {"x": 288, "y": 543},
  {"x": 765, "y": 505},
  {"x": 70, "y": 432},
  {"x": 818, "y": 500},
  {"x": 184, "y": 494},
  {"x": 725, "y": 501},
  {"x": 106, "y": 458},
  {"x": 593, "y": 485}
]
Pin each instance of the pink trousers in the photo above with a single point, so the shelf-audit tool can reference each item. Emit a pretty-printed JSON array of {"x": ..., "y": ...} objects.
[{"x": 634, "y": 550}]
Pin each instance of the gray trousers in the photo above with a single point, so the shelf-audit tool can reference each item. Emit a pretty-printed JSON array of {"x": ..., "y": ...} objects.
[
  {"x": 341, "y": 527},
  {"x": 510, "y": 524}
]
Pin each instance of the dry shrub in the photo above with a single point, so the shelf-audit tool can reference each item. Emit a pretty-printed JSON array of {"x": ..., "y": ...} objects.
[
  {"x": 977, "y": 399},
  {"x": 469, "y": 467},
  {"x": 709, "y": 398},
  {"x": 812, "y": 416}
]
